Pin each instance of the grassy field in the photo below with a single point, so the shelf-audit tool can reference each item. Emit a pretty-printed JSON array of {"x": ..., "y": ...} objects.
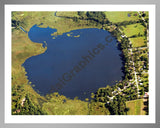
[
  {"x": 67, "y": 14},
  {"x": 121, "y": 16},
  {"x": 138, "y": 42},
  {"x": 129, "y": 30},
  {"x": 49, "y": 19},
  {"x": 22, "y": 48},
  {"x": 133, "y": 29},
  {"x": 135, "y": 107}
]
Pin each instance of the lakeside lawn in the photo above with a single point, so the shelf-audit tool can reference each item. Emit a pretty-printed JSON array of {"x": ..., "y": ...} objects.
[
  {"x": 114, "y": 16},
  {"x": 135, "y": 107},
  {"x": 138, "y": 42}
]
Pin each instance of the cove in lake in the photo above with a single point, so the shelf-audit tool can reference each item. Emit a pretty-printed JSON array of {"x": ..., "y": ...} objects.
[{"x": 64, "y": 53}]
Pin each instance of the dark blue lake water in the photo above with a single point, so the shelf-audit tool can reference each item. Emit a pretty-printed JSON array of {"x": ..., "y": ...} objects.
[{"x": 76, "y": 63}]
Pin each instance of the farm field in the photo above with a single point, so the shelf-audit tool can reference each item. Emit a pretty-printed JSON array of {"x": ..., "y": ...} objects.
[
  {"x": 135, "y": 32},
  {"x": 138, "y": 42},
  {"x": 135, "y": 107}
]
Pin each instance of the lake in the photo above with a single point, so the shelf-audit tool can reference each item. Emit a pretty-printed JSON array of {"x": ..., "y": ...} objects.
[{"x": 75, "y": 63}]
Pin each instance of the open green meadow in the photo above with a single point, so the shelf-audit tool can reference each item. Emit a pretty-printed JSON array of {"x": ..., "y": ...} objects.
[
  {"x": 114, "y": 16},
  {"x": 133, "y": 29},
  {"x": 135, "y": 32},
  {"x": 67, "y": 14},
  {"x": 138, "y": 42},
  {"x": 29, "y": 19}
]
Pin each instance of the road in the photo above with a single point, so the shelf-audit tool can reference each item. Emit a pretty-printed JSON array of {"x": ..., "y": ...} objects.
[
  {"x": 137, "y": 48},
  {"x": 135, "y": 73},
  {"x": 146, "y": 26},
  {"x": 130, "y": 49}
]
